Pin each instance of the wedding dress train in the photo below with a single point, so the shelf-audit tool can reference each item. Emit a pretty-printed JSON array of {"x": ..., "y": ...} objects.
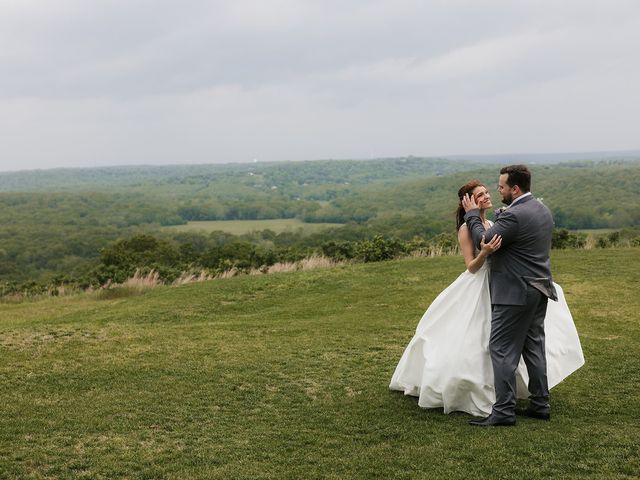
[{"x": 447, "y": 363}]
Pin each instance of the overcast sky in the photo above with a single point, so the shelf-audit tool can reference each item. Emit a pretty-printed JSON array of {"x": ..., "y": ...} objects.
[{"x": 89, "y": 82}]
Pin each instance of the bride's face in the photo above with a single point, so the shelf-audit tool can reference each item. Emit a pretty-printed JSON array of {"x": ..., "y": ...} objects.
[{"x": 483, "y": 197}]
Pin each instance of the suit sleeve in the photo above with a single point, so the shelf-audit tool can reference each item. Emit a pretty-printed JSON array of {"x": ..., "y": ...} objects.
[{"x": 506, "y": 226}]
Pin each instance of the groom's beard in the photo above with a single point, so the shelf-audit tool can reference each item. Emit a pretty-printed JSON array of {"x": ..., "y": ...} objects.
[{"x": 507, "y": 200}]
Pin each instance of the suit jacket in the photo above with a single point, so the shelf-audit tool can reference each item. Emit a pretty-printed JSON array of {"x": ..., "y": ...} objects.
[{"x": 523, "y": 259}]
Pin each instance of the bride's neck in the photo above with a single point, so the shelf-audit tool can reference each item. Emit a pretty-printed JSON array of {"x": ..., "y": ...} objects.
[{"x": 483, "y": 215}]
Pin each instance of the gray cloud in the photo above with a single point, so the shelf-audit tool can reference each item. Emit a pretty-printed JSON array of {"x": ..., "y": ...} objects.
[{"x": 115, "y": 82}]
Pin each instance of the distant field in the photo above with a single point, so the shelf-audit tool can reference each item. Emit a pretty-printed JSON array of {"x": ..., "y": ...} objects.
[
  {"x": 597, "y": 231},
  {"x": 238, "y": 227}
]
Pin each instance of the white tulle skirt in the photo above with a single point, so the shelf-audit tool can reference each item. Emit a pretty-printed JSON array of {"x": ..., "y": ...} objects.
[{"x": 447, "y": 363}]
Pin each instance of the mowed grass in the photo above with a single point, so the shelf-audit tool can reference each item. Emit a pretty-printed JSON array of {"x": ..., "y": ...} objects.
[
  {"x": 286, "y": 376},
  {"x": 239, "y": 227}
]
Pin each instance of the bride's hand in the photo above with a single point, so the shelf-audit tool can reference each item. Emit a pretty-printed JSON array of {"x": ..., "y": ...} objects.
[{"x": 492, "y": 245}]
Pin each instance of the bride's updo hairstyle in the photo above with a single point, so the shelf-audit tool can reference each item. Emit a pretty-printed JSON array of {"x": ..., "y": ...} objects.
[{"x": 468, "y": 187}]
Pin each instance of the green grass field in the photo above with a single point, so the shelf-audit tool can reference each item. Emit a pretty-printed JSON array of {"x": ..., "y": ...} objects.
[
  {"x": 238, "y": 227},
  {"x": 286, "y": 376}
]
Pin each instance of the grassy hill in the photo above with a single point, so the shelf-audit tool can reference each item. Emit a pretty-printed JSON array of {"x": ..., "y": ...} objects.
[{"x": 286, "y": 376}]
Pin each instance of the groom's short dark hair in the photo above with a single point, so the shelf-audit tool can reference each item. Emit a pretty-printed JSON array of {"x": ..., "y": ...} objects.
[{"x": 518, "y": 175}]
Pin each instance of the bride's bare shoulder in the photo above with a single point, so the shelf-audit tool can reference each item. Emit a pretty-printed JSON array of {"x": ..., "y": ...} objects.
[{"x": 464, "y": 235}]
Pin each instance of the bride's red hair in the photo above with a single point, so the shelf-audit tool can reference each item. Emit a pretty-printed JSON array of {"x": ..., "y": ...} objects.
[{"x": 468, "y": 187}]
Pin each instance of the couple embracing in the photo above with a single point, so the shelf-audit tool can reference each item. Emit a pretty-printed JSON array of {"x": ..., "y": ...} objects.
[{"x": 502, "y": 330}]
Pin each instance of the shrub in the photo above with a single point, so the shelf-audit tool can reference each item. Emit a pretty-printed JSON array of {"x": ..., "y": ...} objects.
[
  {"x": 378, "y": 249},
  {"x": 338, "y": 250},
  {"x": 563, "y": 238}
]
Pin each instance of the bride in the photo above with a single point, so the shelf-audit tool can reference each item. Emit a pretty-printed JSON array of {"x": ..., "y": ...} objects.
[{"x": 447, "y": 363}]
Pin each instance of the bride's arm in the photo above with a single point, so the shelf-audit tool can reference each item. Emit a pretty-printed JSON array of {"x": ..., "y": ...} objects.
[{"x": 466, "y": 247}]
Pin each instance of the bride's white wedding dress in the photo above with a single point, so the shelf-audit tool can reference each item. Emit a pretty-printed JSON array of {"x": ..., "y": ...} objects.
[{"x": 447, "y": 363}]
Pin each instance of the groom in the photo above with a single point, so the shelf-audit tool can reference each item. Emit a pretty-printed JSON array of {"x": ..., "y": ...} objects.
[{"x": 520, "y": 287}]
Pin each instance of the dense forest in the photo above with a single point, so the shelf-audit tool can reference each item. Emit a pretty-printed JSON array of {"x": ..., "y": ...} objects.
[{"x": 60, "y": 225}]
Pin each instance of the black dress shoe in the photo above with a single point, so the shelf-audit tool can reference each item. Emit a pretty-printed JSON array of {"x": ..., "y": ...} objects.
[
  {"x": 491, "y": 421},
  {"x": 525, "y": 412}
]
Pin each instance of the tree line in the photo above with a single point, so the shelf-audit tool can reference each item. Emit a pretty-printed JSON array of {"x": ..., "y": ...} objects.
[{"x": 55, "y": 230}]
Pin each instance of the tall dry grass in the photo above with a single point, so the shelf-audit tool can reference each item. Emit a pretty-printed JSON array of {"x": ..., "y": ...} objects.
[
  {"x": 141, "y": 281},
  {"x": 228, "y": 273},
  {"x": 435, "y": 251},
  {"x": 319, "y": 261},
  {"x": 590, "y": 242},
  {"x": 309, "y": 263},
  {"x": 193, "y": 277}
]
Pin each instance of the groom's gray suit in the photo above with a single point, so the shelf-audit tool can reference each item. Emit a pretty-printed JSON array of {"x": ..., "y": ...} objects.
[{"x": 520, "y": 285}]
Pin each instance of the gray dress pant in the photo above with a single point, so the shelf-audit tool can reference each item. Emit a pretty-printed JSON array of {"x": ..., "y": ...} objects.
[{"x": 518, "y": 330}]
